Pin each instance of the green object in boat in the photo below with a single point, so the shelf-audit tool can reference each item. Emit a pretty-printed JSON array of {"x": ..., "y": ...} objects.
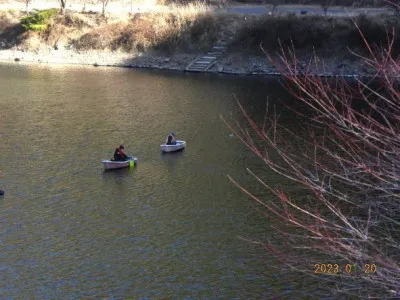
[{"x": 131, "y": 163}]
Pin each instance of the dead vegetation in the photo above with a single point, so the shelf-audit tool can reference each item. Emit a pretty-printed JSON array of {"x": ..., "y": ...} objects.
[
  {"x": 326, "y": 35},
  {"x": 194, "y": 28},
  {"x": 146, "y": 31},
  {"x": 9, "y": 18},
  {"x": 189, "y": 28}
]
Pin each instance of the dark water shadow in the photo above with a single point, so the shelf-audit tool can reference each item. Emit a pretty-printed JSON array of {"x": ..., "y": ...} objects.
[
  {"x": 118, "y": 173},
  {"x": 172, "y": 158}
]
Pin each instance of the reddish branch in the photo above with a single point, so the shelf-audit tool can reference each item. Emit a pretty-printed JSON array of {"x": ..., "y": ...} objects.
[{"x": 353, "y": 171}]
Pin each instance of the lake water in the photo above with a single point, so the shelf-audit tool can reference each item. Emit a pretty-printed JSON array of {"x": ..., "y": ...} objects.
[{"x": 170, "y": 228}]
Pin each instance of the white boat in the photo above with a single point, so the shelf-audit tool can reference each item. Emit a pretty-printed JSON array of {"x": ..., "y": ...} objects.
[
  {"x": 171, "y": 148},
  {"x": 114, "y": 164}
]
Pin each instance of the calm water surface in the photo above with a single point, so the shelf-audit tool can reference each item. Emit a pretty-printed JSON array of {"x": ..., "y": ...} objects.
[{"x": 168, "y": 229}]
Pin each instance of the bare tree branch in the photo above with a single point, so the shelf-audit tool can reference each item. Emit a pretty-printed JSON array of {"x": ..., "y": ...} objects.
[{"x": 350, "y": 165}]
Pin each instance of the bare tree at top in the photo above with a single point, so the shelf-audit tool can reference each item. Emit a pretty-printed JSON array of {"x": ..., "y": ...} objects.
[
  {"x": 26, "y": 2},
  {"x": 274, "y": 5},
  {"x": 325, "y": 6},
  {"x": 62, "y": 3},
  {"x": 104, "y": 4}
]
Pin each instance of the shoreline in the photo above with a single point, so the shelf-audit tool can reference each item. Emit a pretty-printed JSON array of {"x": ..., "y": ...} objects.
[
  {"x": 230, "y": 64},
  {"x": 143, "y": 40}
]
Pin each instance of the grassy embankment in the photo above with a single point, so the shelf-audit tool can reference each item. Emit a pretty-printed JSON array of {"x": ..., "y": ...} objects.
[
  {"x": 193, "y": 29},
  {"x": 190, "y": 28},
  {"x": 328, "y": 36}
]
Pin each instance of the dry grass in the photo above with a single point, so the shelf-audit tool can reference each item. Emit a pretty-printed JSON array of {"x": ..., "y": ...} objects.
[
  {"x": 169, "y": 28},
  {"x": 194, "y": 28},
  {"x": 9, "y": 18},
  {"x": 188, "y": 28},
  {"x": 328, "y": 35},
  {"x": 169, "y": 32}
]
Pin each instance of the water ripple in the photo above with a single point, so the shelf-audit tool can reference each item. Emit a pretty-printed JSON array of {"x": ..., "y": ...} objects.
[{"x": 167, "y": 229}]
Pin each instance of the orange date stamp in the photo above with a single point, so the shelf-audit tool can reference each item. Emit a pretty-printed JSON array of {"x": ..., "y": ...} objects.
[{"x": 348, "y": 269}]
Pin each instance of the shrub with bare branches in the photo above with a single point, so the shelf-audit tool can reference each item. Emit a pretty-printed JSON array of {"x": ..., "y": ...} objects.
[
  {"x": 274, "y": 5},
  {"x": 350, "y": 165},
  {"x": 394, "y": 6}
]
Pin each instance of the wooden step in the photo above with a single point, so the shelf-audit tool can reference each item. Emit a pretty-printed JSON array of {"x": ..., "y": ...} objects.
[
  {"x": 203, "y": 62},
  {"x": 206, "y": 59}
]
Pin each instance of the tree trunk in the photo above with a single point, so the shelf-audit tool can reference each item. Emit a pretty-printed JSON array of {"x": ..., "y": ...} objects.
[
  {"x": 273, "y": 10},
  {"x": 63, "y": 4}
]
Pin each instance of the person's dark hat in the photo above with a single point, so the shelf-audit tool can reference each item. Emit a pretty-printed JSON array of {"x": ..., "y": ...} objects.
[{"x": 121, "y": 147}]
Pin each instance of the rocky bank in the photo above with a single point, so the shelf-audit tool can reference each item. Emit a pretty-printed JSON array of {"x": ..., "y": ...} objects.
[{"x": 230, "y": 63}]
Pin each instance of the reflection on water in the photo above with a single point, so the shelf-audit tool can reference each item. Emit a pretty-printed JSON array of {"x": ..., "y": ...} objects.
[
  {"x": 167, "y": 228},
  {"x": 173, "y": 158}
]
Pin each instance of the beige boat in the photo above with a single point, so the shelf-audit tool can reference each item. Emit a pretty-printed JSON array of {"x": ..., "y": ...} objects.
[
  {"x": 114, "y": 164},
  {"x": 172, "y": 148}
]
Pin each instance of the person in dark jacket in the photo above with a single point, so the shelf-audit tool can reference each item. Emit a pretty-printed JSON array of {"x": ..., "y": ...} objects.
[
  {"x": 171, "y": 139},
  {"x": 119, "y": 154}
]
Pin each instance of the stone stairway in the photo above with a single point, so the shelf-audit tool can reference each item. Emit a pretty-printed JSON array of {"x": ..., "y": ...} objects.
[{"x": 203, "y": 63}]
